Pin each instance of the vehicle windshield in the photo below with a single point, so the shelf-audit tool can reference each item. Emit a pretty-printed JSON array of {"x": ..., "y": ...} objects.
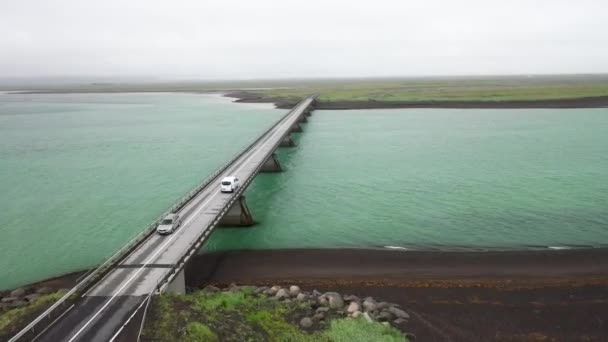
[
  {"x": 226, "y": 183},
  {"x": 167, "y": 221}
]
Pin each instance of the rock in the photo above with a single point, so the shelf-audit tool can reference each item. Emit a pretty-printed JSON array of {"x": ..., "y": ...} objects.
[
  {"x": 287, "y": 300},
  {"x": 18, "y": 304},
  {"x": 294, "y": 290},
  {"x": 353, "y": 307},
  {"x": 385, "y": 316},
  {"x": 351, "y": 298},
  {"x": 367, "y": 318},
  {"x": 211, "y": 288},
  {"x": 334, "y": 299},
  {"x": 318, "y": 316},
  {"x": 18, "y": 292},
  {"x": 268, "y": 292},
  {"x": 306, "y": 322},
  {"x": 261, "y": 289},
  {"x": 322, "y": 309},
  {"x": 385, "y": 323},
  {"x": 45, "y": 290},
  {"x": 400, "y": 321},
  {"x": 316, "y": 293},
  {"x": 382, "y": 305},
  {"x": 282, "y": 293},
  {"x": 410, "y": 337},
  {"x": 32, "y": 297},
  {"x": 356, "y": 314},
  {"x": 274, "y": 289},
  {"x": 322, "y": 300},
  {"x": 301, "y": 297},
  {"x": 369, "y": 304},
  {"x": 9, "y": 299},
  {"x": 398, "y": 312}
]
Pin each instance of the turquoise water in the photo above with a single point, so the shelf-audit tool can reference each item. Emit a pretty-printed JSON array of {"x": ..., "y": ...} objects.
[
  {"x": 80, "y": 174},
  {"x": 436, "y": 179}
]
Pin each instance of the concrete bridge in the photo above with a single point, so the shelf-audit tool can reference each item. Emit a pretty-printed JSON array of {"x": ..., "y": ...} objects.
[{"x": 108, "y": 298}]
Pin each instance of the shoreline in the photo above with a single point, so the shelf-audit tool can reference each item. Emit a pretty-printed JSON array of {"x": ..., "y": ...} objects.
[{"x": 286, "y": 103}]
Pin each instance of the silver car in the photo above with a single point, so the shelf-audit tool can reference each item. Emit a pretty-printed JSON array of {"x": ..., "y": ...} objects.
[{"x": 169, "y": 224}]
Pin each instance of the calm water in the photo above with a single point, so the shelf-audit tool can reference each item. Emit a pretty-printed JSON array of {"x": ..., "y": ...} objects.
[{"x": 80, "y": 174}]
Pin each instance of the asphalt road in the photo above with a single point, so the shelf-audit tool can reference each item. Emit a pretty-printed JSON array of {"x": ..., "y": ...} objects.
[{"x": 108, "y": 305}]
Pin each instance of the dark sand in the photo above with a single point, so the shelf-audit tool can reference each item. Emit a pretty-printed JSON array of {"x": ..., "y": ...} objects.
[
  {"x": 285, "y": 103},
  {"x": 451, "y": 296}
]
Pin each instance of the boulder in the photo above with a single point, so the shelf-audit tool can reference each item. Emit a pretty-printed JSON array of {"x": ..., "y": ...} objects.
[
  {"x": 260, "y": 289},
  {"x": 356, "y": 314},
  {"x": 45, "y": 290},
  {"x": 382, "y": 305},
  {"x": 18, "y": 292},
  {"x": 282, "y": 293},
  {"x": 369, "y": 304},
  {"x": 9, "y": 299},
  {"x": 385, "y": 316},
  {"x": 322, "y": 309},
  {"x": 18, "y": 304},
  {"x": 211, "y": 288},
  {"x": 316, "y": 293},
  {"x": 351, "y": 298},
  {"x": 398, "y": 312},
  {"x": 268, "y": 292},
  {"x": 32, "y": 297},
  {"x": 400, "y": 321},
  {"x": 274, "y": 289},
  {"x": 322, "y": 300},
  {"x": 294, "y": 290},
  {"x": 353, "y": 307},
  {"x": 301, "y": 297},
  {"x": 334, "y": 299},
  {"x": 367, "y": 317},
  {"x": 306, "y": 322},
  {"x": 318, "y": 317}
]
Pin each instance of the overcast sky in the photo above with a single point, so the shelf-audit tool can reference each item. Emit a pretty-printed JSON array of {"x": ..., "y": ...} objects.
[{"x": 229, "y": 39}]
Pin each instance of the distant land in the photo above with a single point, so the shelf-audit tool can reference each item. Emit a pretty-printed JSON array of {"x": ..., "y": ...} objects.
[{"x": 538, "y": 91}]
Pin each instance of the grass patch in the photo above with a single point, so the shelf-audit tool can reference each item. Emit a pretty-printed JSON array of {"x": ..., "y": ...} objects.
[
  {"x": 13, "y": 320},
  {"x": 243, "y": 316}
]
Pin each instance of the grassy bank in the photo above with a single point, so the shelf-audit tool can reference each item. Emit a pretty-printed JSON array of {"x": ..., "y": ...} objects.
[
  {"x": 244, "y": 316},
  {"x": 11, "y": 321}
]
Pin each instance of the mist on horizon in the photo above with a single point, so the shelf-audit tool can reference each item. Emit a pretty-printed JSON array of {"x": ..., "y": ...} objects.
[{"x": 227, "y": 40}]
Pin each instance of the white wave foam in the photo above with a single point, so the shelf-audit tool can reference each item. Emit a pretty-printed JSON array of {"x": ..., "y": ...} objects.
[{"x": 394, "y": 247}]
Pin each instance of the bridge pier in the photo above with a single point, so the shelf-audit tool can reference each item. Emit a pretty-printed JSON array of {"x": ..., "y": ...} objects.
[
  {"x": 303, "y": 119},
  {"x": 238, "y": 215},
  {"x": 287, "y": 142},
  {"x": 178, "y": 284},
  {"x": 271, "y": 164},
  {"x": 296, "y": 128}
]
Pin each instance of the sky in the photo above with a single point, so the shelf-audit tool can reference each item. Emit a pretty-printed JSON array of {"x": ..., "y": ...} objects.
[{"x": 230, "y": 39}]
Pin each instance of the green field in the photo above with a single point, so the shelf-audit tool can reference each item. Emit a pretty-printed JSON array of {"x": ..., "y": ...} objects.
[
  {"x": 450, "y": 89},
  {"x": 489, "y": 88}
]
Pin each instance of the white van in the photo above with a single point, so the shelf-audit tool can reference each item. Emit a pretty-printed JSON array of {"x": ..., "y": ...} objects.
[{"x": 229, "y": 184}]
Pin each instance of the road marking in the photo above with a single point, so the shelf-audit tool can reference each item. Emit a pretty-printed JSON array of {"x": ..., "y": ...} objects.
[{"x": 171, "y": 239}]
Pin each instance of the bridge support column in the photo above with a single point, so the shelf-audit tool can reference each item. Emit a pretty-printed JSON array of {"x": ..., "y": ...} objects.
[
  {"x": 296, "y": 128},
  {"x": 287, "y": 142},
  {"x": 303, "y": 119},
  {"x": 178, "y": 284},
  {"x": 271, "y": 164},
  {"x": 238, "y": 215},
  {"x": 307, "y": 112}
]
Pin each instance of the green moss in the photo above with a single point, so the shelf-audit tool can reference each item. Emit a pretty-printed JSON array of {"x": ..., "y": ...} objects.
[
  {"x": 14, "y": 319},
  {"x": 242, "y": 316},
  {"x": 359, "y": 330},
  {"x": 197, "y": 332}
]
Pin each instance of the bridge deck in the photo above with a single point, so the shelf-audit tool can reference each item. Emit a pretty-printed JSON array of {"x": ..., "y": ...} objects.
[{"x": 110, "y": 302}]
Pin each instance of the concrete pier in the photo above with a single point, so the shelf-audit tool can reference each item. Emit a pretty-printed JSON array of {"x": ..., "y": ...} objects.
[
  {"x": 287, "y": 142},
  {"x": 303, "y": 119},
  {"x": 296, "y": 128},
  {"x": 238, "y": 215},
  {"x": 271, "y": 164},
  {"x": 178, "y": 284}
]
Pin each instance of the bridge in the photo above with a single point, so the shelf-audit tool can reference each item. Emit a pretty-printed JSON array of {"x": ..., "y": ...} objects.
[{"x": 109, "y": 297}]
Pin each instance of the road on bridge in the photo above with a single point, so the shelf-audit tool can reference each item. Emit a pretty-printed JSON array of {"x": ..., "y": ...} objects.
[{"x": 109, "y": 304}]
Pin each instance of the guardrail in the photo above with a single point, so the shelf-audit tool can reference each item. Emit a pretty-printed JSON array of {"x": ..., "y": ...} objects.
[
  {"x": 58, "y": 308},
  {"x": 195, "y": 246}
]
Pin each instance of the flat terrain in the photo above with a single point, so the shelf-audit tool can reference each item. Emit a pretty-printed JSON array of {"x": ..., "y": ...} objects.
[{"x": 453, "y": 296}]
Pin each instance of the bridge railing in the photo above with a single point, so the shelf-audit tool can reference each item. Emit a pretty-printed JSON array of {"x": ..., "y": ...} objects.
[
  {"x": 206, "y": 233},
  {"x": 61, "y": 305}
]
